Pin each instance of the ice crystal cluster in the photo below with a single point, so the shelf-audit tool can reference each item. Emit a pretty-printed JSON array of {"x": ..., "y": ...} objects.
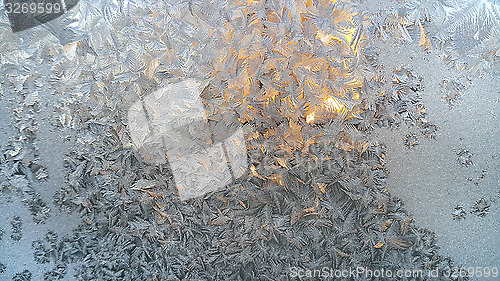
[
  {"x": 468, "y": 32},
  {"x": 288, "y": 71},
  {"x": 472, "y": 33}
]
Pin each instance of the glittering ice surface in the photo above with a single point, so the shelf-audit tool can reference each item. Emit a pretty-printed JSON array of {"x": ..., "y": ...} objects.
[{"x": 137, "y": 116}]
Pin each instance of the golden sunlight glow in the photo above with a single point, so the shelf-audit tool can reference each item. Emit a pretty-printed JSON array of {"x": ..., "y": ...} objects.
[
  {"x": 350, "y": 36},
  {"x": 310, "y": 117},
  {"x": 250, "y": 2},
  {"x": 325, "y": 38},
  {"x": 333, "y": 103},
  {"x": 268, "y": 71}
]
